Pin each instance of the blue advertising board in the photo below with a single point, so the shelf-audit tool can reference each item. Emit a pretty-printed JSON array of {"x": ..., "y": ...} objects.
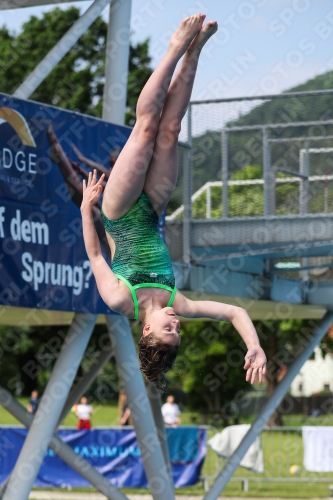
[
  {"x": 43, "y": 262},
  {"x": 114, "y": 453}
]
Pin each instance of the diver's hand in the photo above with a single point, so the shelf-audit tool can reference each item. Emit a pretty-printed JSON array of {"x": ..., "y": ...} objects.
[
  {"x": 255, "y": 364},
  {"x": 92, "y": 190}
]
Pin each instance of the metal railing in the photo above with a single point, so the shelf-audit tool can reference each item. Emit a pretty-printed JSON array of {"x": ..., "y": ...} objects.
[
  {"x": 206, "y": 189},
  {"x": 222, "y": 132}
]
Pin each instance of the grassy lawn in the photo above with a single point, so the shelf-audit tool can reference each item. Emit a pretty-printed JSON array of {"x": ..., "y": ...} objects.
[
  {"x": 107, "y": 415},
  {"x": 257, "y": 490},
  {"x": 104, "y": 415}
]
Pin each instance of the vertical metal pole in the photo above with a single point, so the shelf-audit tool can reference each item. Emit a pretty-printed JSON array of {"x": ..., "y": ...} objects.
[
  {"x": 208, "y": 202},
  {"x": 269, "y": 176},
  {"x": 307, "y": 173},
  {"x": 187, "y": 191},
  {"x": 141, "y": 413},
  {"x": 224, "y": 175},
  {"x": 49, "y": 410},
  {"x": 65, "y": 452},
  {"x": 301, "y": 189},
  {"x": 155, "y": 402},
  {"x": 272, "y": 181},
  {"x": 44, "y": 68},
  {"x": 267, "y": 410},
  {"x": 304, "y": 167},
  {"x": 116, "y": 61},
  {"x": 187, "y": 214}
]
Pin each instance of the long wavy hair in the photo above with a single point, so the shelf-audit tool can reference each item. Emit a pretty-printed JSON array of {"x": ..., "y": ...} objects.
[{"x": 156, "y": 358}]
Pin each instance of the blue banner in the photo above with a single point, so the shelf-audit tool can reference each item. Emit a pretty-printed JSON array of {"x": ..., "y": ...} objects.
[
  {"x": 113, "y": 452},
  {"x": 44, "y": 154}
]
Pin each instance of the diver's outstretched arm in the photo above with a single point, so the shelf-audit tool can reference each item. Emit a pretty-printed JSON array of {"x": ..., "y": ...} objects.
[
  {"x": 107, "y": 282},
  {"x": 255, "y": 359},
  {"x": 92, "y": 190}
]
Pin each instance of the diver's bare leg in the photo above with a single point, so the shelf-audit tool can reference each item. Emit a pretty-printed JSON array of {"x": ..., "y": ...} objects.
[
  {"x": 163, "y": 169},
  {"x": 129, "y": 172}
]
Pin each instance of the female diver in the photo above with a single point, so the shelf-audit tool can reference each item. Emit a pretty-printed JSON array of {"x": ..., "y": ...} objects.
[{"x": 141, "y": 284}]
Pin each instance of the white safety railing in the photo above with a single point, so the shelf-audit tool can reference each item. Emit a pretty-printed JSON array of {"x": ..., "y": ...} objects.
[{"x": 206, "y": 190}]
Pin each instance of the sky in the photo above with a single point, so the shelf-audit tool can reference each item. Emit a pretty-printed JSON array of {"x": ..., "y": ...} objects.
[{"x": 262, "y": 46}]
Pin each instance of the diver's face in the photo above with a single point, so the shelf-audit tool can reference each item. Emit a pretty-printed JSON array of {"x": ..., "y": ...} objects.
[{"x": 164, "y": 324}]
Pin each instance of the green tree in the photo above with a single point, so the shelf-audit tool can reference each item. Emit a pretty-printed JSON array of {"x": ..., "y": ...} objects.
[
  {"x": 25, "y": 361},
  {"x": 28, "y": 355},
  {"x": 209, "y": 367},
  {"x": 77, "y": 82}
]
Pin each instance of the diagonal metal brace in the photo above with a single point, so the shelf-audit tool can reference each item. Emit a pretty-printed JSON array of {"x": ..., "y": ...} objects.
[
  {"x": 154, "y": 397},
  {"x": 44, "y": 68},
  {"x": 80, "y": 388}
]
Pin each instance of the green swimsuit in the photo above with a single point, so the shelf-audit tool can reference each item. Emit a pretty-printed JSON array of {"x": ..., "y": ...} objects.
[{"x": 141, "y": 258}]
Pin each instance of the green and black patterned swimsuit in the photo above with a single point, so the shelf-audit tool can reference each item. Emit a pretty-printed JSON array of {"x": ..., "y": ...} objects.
[{"x": 141, "y": 258}]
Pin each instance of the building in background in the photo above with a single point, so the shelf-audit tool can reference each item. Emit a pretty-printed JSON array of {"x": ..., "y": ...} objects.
[{"x": 315, "y": 376}]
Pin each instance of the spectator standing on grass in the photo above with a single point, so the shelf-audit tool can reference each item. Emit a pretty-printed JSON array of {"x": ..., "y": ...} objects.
[
  {"x": 83, "y": 412},
  {"x": 171, "y": 412},
  {"x": 33, "y": 402}
]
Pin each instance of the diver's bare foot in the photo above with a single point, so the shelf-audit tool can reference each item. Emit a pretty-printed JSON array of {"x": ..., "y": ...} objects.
[
  {"x": 203, "y": 36},
  {"x": 186, "y": 31}
]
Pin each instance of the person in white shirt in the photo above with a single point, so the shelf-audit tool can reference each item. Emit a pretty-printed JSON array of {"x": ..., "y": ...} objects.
[
  {"x": 171, "y": 412},
  {"x": 83, "y": 412}
]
